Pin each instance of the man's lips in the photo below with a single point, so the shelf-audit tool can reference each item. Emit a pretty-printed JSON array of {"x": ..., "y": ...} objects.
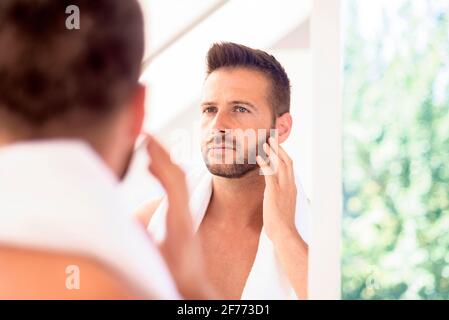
[{"x": 220, "y": 147}]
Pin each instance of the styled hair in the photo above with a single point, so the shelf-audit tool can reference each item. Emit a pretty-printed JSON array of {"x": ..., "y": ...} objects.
[
  {"x": 231, "y": 55},
  {"x": 48, "y": 72}
]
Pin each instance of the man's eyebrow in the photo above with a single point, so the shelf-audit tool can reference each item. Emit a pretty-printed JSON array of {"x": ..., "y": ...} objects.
[
  {"x": 212, "y": 103},
  {"x": 208, "y": 103}
]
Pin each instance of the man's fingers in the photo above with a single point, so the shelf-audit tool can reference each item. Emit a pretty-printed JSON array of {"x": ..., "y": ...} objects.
[
  {"x": 284, "y": 159},
  {"x": 272, "y": 156},
  {"x": 155, "y": 148},
  {"x": 267, "y": 170},
  {"x": 282, "y": 154},
  {"x": 162, "y": 167},
  {"x": 172, "y": 179}
]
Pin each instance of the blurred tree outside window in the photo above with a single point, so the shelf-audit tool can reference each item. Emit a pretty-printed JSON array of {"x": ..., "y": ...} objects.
[{"x": 396, "y": 150}]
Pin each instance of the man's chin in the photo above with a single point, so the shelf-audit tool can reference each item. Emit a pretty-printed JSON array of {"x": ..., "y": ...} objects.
[{"x": 231, "y": 171}]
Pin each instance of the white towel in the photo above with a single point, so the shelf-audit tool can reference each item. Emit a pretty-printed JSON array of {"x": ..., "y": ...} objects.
[
  {"x": 267, "y": 280},
  {"x": 59, "y": 195}
]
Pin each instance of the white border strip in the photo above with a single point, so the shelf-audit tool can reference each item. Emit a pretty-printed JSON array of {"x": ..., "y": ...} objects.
[{"x": 324, "y": 254}]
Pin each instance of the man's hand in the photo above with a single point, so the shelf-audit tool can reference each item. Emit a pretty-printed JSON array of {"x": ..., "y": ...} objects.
[
  {"x": 180, "y": 249},
  {"x": 279, "y": 203},
  {"x": 279, "y": 206}
]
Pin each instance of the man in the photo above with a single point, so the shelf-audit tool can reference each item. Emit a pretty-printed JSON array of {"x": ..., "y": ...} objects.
[
  {"x": 248, "y": 222},
  {"x": 71, "y": 109}
]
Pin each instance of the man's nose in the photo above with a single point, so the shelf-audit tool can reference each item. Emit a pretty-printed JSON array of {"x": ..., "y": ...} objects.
[{"x": 221, "y": 122}]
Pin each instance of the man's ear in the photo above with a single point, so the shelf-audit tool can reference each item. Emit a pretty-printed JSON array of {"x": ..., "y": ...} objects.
[
  {"x": 284, "y": 126},
  {"x": 138, "y": 107}
]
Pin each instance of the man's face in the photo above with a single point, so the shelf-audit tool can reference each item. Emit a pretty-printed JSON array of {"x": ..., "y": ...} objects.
[{"x": 235, "y": 112}]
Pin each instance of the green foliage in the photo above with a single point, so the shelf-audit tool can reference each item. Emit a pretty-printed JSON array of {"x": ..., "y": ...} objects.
[{"x": 396, "y": 154}]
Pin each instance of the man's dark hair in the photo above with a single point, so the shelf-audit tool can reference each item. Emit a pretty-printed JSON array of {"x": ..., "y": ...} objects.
[
  {"x": 230, "y": 55},
  {"x": 48, "y": 72}
]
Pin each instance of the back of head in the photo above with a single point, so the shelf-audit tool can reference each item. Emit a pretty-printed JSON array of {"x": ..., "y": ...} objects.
[
  {"x": 58, "y": 82},
  {"x": 66, "y": 79}
]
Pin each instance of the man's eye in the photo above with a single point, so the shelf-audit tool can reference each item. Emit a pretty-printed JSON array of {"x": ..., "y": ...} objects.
[
  {"x": 210, "y": 110},
  {"x": 240, "y": 109}
]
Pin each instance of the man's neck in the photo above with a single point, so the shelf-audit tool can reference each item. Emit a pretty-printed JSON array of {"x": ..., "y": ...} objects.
[{"x": 238, "y": 202}]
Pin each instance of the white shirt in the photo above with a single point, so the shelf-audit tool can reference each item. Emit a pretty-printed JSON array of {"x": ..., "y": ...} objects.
[
  {"x": 267, "y": 279},
  {"x": 60, "y": 195}
]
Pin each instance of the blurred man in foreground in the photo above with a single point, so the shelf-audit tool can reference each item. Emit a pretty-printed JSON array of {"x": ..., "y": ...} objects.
[{"x": 71, "y": 109}]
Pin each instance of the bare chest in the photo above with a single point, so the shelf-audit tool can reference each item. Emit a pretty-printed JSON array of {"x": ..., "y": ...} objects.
[{"x": 229, "y": 256}]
